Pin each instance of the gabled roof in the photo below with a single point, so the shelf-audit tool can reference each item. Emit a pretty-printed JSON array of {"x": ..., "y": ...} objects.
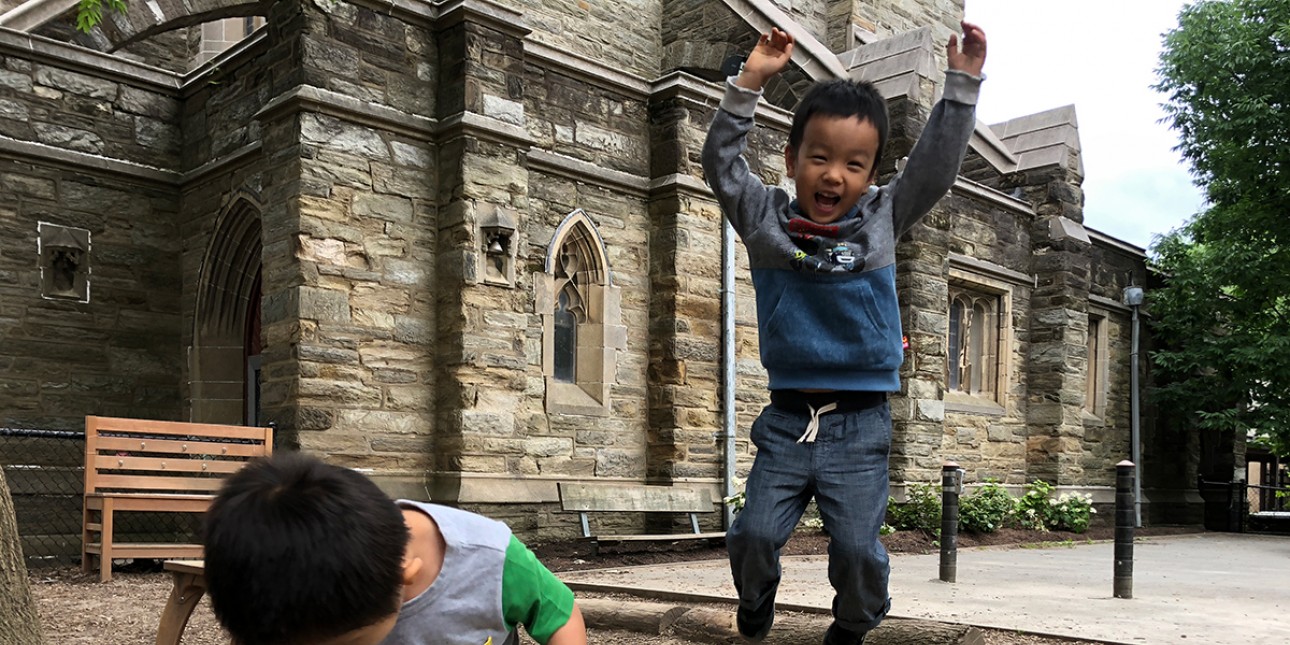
[{"x": 1048, "y": 138}]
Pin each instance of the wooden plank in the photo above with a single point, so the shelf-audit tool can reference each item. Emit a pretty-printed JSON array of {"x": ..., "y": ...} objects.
[
  {"x": 144, "y": 483},
  {"x": 101, "y": 425},
  {"x": 154, "y": 503},
  {"x": 658, "y": 537},
  {"x": 634, "y": 497},
  {"x": 166, "y": 465},
  {"x": 154, "y": 550},
  {"x": 196, "y": 447},
  {"x": 196, "y": 567}
]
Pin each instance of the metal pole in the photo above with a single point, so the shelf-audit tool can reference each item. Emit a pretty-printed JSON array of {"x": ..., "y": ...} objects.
[
  {"x": 728, "y": 363},
  {"x": 1124, "y": 507},
  {"x": 1135, "y": 450},
  {"x": 951, "y": 487}
]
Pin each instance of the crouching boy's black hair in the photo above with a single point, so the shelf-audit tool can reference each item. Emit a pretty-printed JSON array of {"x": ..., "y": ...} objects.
[{"x": 300, "y": 551}]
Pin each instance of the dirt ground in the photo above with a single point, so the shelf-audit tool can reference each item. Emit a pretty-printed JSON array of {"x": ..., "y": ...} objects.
[{"x": 77, "y": 610}]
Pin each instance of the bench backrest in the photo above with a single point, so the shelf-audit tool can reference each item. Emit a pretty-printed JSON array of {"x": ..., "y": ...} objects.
[
  {"x": 634, "y": 497},
  {"x": 144, "y": 456}
]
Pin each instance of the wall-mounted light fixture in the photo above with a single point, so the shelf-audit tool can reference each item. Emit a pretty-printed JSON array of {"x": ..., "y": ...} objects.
[{"x": 497, "y": 236}]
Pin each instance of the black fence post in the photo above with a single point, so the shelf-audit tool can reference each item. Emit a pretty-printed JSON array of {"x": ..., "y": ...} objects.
[
  {"x": 1124, "y": 521},
  {"x": 1238, "y": 506},
  {"x": 951, "y": 487}
]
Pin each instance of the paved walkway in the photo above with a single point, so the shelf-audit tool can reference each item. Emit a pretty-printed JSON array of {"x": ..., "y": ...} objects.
[{"x": 1215, "y": 589}]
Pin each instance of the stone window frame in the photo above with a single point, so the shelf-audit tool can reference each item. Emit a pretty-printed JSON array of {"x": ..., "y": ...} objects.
[
  {"x": 973, "y": 288},
  {"x": 577, "y": 265},
  {"x": 1098, "y": 366}
]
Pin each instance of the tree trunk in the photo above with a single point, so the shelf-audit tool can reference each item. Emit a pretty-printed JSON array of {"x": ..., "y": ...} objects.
[
  {"x": 19, "y": 624},
  {"x": 711, "y": 625}
]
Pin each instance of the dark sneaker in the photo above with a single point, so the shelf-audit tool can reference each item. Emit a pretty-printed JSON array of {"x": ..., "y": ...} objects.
[
  {"x": 839, "y": 636},
  {"x": 755, "y": 624}
]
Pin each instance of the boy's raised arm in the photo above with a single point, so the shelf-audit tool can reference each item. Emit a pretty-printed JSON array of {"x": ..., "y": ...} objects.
[
  {"x": 971, "y": 59},
  {"x": 934, "y": 162},
  {"x": 768, "y": 58}
]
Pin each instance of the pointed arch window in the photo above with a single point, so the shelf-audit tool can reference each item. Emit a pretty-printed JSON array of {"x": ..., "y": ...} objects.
[
  {"x": 566, "y": 334},
  {"x": 973, "y": 357},
  {"x": 580, "y": 309}
]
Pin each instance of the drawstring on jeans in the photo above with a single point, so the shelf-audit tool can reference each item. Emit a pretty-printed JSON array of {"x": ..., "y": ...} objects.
[{"x": 813, "y": 428}]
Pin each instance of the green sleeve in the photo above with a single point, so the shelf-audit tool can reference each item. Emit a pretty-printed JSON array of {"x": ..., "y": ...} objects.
[{"x": 531, "y": 595}]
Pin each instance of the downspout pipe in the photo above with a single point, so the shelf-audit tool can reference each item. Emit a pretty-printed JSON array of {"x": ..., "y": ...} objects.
[
  {"x": 728, "y": 365},
  {"x": 1133, "y": 296},
  {"x": 1135, "y": 432}
]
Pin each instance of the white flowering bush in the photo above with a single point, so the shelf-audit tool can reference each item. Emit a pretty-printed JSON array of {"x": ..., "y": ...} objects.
[
  {"x": 1039, "y": 510},
  {"x": 736, "y": 501},
  {"x": 1072, "y": 511}
]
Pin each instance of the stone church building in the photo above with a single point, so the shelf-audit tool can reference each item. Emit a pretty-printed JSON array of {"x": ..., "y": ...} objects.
[{"x": 466, "y": 245}]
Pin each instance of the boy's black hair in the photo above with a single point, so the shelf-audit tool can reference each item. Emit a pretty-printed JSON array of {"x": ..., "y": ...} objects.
[
  {"x": 842, "y": 98},
  {"x": 298, "y": 551}
]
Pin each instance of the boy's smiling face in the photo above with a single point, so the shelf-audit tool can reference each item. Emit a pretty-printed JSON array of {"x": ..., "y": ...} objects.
[{"x": 834, "y": 166}]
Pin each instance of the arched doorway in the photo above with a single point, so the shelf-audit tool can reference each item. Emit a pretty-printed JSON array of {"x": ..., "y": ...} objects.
[{"x": 224, "y": 359}]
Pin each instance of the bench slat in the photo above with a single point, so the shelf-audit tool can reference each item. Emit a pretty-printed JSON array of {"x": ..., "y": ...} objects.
[
  {"x": 148, "y": 445},
  {"x": 146, "y": 482},
  {"x": 161, "y": 465},
  {"x": 175, "y": 428},
  {"x": 634, "y": 497},
  {"x": 657, "y": 537},
  {"x": 143, "y": 502},
  {"x": 146, "y": 550}
]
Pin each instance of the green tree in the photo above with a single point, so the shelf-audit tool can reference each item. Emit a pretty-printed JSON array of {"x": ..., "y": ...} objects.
[
  {"x": 1223, "y": 316},
  {"x": 90, "y": 12}
]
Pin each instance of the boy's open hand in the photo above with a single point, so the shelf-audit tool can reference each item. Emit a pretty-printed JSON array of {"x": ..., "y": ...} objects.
[
  {"x": 768, "y": 58},
  {"x": 972, "y": 57}
]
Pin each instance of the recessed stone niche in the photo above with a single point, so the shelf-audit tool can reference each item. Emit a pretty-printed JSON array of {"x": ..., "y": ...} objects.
[{"x": 64, "y": 262}]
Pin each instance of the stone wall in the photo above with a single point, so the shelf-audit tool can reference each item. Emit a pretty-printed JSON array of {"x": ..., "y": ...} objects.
[
  {"x": 622, "y": 34},
  {"x": 58, "y": 102},
  {"x": 349, "y": 237},
  {"x": 363, "y": 153},
  {"x": 885, "y": 17},
  {"x": 81, "y": 150}
]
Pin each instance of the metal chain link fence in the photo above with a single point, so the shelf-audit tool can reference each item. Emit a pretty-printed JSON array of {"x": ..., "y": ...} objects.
[{"x": 45, "y": 473}]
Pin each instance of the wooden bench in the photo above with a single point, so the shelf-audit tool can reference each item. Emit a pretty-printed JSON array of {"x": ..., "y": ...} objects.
[
  {"x": 136, "y": 465},
  {"x": 637, "y": 498},
  {"x": 188, "y": 585}
]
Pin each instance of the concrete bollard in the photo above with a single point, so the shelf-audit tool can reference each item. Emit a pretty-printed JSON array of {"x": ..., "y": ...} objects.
[
  {"x": 951, "y": 488},
  {"x": 1124, "y": 521}
]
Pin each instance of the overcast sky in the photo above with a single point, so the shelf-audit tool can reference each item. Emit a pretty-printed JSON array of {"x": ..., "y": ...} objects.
[{"x": 1101, "y": 56}]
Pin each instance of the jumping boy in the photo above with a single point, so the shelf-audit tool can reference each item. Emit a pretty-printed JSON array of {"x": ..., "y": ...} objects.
[
  {"x": 299, "y": 552},
  {"x": 823, "y": 266}
]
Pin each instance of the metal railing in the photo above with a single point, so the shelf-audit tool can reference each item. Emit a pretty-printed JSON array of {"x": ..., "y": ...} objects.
[{"x": 45, "y": 472}]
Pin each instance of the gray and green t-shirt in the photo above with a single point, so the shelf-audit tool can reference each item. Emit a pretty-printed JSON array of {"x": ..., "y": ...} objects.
[{"x": 490, "y": 584}]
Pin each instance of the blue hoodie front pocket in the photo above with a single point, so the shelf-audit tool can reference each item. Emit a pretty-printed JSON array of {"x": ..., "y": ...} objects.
[{"x": 849, "y": 323}]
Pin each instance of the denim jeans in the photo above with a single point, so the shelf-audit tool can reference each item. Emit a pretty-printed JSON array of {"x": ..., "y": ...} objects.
[{"x": 845, "y": 469}]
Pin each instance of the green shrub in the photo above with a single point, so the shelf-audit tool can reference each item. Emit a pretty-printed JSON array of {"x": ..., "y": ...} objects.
[
  {"x": 987, "y": 509},
  {"x": 921, "y": 510},
  {"x": 1037, "y": 509},
  {"x": 1072, "y": 511},
  {"x": 1032, "y": 508}
]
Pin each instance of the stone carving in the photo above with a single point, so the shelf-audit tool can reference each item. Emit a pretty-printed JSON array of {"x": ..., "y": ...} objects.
[{"x": 64, "y": 262}]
